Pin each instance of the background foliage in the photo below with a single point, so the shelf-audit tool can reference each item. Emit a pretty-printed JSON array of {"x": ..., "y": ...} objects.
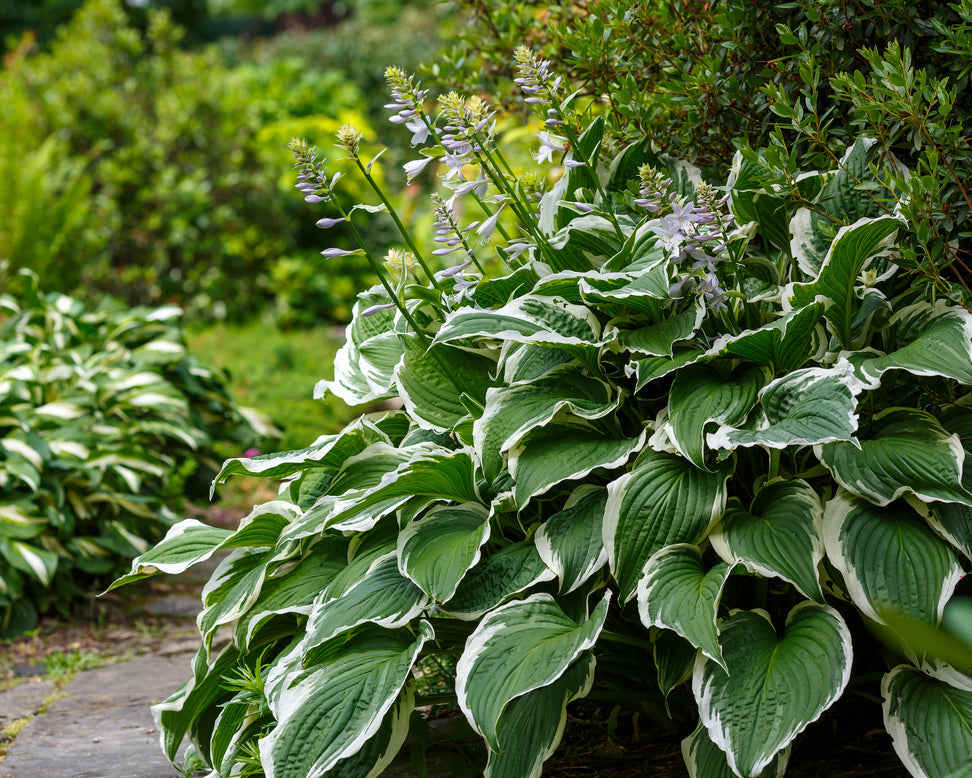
[{"x": 106, "y": 425}]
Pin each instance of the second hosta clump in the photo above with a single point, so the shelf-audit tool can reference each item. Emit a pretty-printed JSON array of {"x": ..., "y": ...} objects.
[{"x": 671, "y": 452}]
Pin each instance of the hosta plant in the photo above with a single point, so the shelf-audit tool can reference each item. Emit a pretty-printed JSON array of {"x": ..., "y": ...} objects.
[
  {"x": 104, "y": 420},
  {"x": 682, "y": 443}
]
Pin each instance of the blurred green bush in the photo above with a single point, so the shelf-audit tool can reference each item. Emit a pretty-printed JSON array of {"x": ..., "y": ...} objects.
[
  {"x": 155, "y": 174},
  {"x": 106, "y": 424}
]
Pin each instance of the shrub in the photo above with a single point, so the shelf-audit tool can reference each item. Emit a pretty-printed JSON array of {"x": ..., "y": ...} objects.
[
  {"x": 179, "y": 154},
  {"x": 105, "y": 423},
  {"x": 668, "y": 442}
]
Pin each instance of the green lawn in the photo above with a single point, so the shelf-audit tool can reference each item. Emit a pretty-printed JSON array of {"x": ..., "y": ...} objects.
[{"x": 275, "y": 372}]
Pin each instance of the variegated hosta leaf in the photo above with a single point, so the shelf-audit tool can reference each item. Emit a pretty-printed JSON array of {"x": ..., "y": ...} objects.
[
  {"x": 659, "y": 339},
  {"x": 36, "y": 562},
  {"x": 179, "y": 713},
  {"x": 679, "y": 593},
  {"x": 953, "y": 522},
  {"x": 906, "y": 451},
  {"x": 780, "y": 535},
  {"x": 889, "y": 558},
  {"x": 296, "y": 589},
  {"x": 382, "y": 596},
  {"x": 854, "y": 245},
  {"x": 546, "y": 321},
  {"x": 839, "y": 199},
  {"x": 557, "y": 453},
  {"x": 928, "y": 340},
  {"x": 570, "y": 542},
  {"x": 329, "y": 451},
  {"x": 647, "y": 370},
  {"x": 184, "y": 545},
  {"x": 664, "y": 500},
  {"x": 699, "y": 397},
  {"x": 359, "y": 379},
  {"x": 431, "y": 382},
  {"x": 513, "y": 411},
  {"x": 929, "y": 722},
  {"x": 517, "y": 648},
  {"x": 531, "y": 726},
  {"x": 704, "y": 759},
  {"x": 331, "y": 714},
  {"x": 497, "y": 578},
  {"x": 436, "y": 551},
  {"x": 776, "y": 686},
  {"x": 784, "y": 344},
  {"x": 233, "y": 587},
  {"x": 438, "y": 475},
  {"x": 674, "y": 659},
  {"x": 803, "y": 408}
]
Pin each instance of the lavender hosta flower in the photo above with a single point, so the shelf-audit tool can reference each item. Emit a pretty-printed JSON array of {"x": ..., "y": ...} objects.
[
  {"x": 415, "y": 167},
  {"x": 549, "y": 143},
  {"x": 655, "y": 191},
  {"x": 334, "y": 253},
  {"x": 376, "y": 308},
  {"x": 408, "y": 101},
  {"x": 486, "y": 229},
  {"x": 419, "y": 129},
  {"x": 326, "y": 224},
  {"x": 670, "y": 235}
]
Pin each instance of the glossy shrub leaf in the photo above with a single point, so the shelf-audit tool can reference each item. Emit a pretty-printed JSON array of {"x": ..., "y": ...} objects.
[
  {"x": 777, "y": 684},
  {"x": 559, "y": 453},
  {"x": 803, "y": 408},
  {"x": 515, "y": 649},
  {"x": 704, "y": 759},
  {"x": 700, "y": 397},
  {"x": 531, "y": 725},
  {"x": 906, "y": 452},
  {"x": 664, "y": 500},
  {"x": 436, "y": 551},
  {"x": 889, "y": 558},
  {"x": 571, "y": 541},
  {"x": 331, "y": 714},
  {"x": 930, "y": 722},
  {"x": 679, "y": 592},
  {"x": 780, "y": 535}
]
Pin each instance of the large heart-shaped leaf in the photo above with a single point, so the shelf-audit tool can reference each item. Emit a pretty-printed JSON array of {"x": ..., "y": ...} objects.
[
  {"x": 570, "y": 542},
  {"x": 780, "y": 535},
  {"x": 497, "y": 578},
  {"x": 511, "y": 412},
  {"x": 331, "y": 714},
  {"x": 906, "y": 451},
  {"x": 776, "y": 685},
  {"x": 928, "y": 340},
  {"x": 680, "y": 593},
  {"x": 704, "y": 759},
  {"x": 929, "y": 722},
  {"x": 664, "y": 500},
  {"x": 557, "y": 453},
  {"x": 803, "y": 408},
  {"x": 889, "y": 558},
  {"x": 381, "y": 596},
  {"x": 531, "y": 726},
  {"x": 853, "y": 246},
  {"x": 784, "y": 344},
  {"x": 437, "y": 551},
  {"x": 517, "y": 648},
  {"x": 699, "y": 397}
]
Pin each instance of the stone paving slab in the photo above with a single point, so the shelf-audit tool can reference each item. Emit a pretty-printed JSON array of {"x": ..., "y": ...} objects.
[
  {"x": 102, "y": 727},
  {"x": 23, "y": 700}
]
